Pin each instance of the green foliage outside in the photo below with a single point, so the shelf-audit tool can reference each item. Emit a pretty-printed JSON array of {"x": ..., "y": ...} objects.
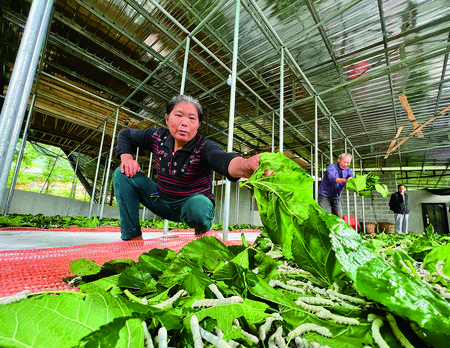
[{"x": 46, "y": 171}]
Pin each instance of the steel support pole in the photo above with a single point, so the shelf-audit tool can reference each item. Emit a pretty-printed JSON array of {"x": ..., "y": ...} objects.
[
  {"x": 346, "y": 191},
  {"x": 354, "y": 195},
  {"x": 331, "y": 141},
  {"x": 185, "y": 64},
  {"x": 19, "y": 88},
  {"x": 238, "y": 190},
  {"x": 362, "y": 201},
  {"x": 149, "y": 174},
  {"x": 281, "y": 99},
  {"x": 74, "y": 177},
  {"x": 97, "y": 169},
  {"x": 111, "y": 154},
  {"x": 316, "y": 151},
  {"x": 231, "y": 117},
  {"x": 273, "y": 131},
  {"x": 12, "y": 186}
]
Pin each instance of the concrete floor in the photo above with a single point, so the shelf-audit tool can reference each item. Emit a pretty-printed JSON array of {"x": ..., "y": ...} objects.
[{"x": 19, "y": 240}]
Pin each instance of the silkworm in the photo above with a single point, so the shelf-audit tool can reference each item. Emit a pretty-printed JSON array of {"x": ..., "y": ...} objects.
[
  {"x": 219, "y": 333},
  {"x": 131, "y": 296},
  {"x": 326, "y": 314},
  {"x": 277, "y": 340},
  {"x": 348, "y": 298},
  {"x": 162, "y": 337},
  {"x": 439, "y": 267},
  {"x": 377, "y": 323},
  {"x": 148, "y": 341},
  {"x": 171, "y": 300},
  {"x": 274, "y": 283},
  {"x": 307, "y": 327},
  {"x": 250, "y": 337},
  {"x": 15, "y": 298},
  {"x": 195, "y": 328},
  {"x": 213, "y": 339},
  {"x": 443, "y": 291},
  {"x": 301, "y": 342},
  {"x": 317, "y": 301},
  {"x": 265, "y": 328},
  {"x": 397, "y": 333},
  {"x": 74, "y": 281},
  {"x": 213, "y": 287},
  {"x": 234, "y": 344},
  {"x": 217, "y": 302},
  {"x": 342, "y": 303}
]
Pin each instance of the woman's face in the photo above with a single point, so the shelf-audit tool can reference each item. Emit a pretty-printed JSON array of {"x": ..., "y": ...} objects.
[{"x": 183, "y": 123}]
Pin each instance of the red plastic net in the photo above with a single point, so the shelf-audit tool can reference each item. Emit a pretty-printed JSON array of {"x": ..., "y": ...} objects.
[{"x": 43, "y": 269}]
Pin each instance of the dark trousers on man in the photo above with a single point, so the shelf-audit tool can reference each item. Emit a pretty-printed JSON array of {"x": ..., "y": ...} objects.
[{"x": 331, "y": 205}]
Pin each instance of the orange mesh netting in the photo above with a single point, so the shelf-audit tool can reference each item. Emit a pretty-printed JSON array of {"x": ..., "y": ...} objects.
[{"x": 43, "y": 269}]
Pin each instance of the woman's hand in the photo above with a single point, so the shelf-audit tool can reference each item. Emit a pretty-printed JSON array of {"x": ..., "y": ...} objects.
[
  {"x": 244, "y": 168},
  {"x": 128, "y": 165}
]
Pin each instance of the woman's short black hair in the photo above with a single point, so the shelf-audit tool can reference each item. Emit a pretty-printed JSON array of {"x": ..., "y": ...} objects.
[{"x": 181, "y": 98}]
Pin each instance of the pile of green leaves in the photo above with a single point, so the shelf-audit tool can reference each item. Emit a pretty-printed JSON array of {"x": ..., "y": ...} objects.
[
  {"x": 364, "y": 184},
  {"x": 298, "y": 235},
  {"x": 330, "y": 249}
]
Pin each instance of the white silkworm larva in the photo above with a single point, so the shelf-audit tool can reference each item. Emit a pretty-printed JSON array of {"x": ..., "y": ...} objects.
[
  {"x": 213, "y": 287},
  {"x": 217, "y": 302},
  {"x": 171, "y": 300},
  {"x": 250, "y": 337},
  {"x": 317, "y": 301},
  {"x": 162, "y": 337},
  {"x": 277, "y": 340},
  {"x": 234, "y": 344},
  {"x": 265, "y": 328},
  {"x": 195, "y": 328},
  {"x": 348, "y": 298},
  {"x": 301, "y": 342},
  {"x": 219, "y": 333},
  {"x": 148, "y": 340},
  {"x": 397, "y": 333},
  {"x": 213, "y": 339},
  {"x": 377, "y": 323},
  {"x": 342, "y": 303},
  {"x": 439, "y": 267},
  {"x": 15, "y": 298},
  {"x": 274, "y": 283},
  {"x": 326, "y": 314},
  {"x": 307, "y": 327}
]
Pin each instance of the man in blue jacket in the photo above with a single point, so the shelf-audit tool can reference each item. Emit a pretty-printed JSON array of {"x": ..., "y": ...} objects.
[{"x": 334, "y": 180}]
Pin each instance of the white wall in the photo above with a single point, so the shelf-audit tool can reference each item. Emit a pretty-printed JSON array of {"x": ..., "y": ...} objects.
[{"x": 26, "y": 202}]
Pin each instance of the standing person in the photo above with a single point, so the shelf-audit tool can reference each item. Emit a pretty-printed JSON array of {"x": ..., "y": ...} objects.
[
  {"x": 185, "y": 160},
  {"x": 399, "y": 205},
  {"x": 334, "y": 180}
]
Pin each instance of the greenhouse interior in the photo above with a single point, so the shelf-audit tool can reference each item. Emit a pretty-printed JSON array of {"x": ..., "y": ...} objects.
[{"x": 300, "y": 85}]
